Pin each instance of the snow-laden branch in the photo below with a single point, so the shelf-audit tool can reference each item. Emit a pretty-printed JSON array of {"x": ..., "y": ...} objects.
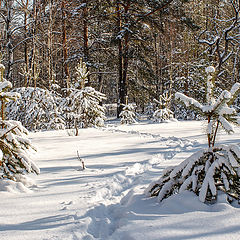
[{"x": 188, "y": 101}]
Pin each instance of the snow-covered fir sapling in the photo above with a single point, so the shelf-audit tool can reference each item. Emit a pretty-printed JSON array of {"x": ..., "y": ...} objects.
[
  {"x": 163, "y": 113},
  {"x": 128, "y": 114},
  {"x": 36, "y": 109},
  {"x": 15, "y": 161},
  {"x": 82, "y": 108},
  {"x": 210, "y": 170}
]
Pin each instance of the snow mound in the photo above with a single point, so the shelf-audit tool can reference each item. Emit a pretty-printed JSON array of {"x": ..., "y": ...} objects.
[{"x": 13, "y": 187}]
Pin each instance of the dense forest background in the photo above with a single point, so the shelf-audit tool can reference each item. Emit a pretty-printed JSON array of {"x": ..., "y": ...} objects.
[{"x": 134, "y": 50}]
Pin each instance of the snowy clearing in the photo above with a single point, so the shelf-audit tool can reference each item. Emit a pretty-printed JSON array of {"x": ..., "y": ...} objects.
[{"x": 106, "y": 200}]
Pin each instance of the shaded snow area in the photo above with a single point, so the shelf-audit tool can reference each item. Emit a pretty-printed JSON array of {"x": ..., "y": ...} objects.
[{"x": 106, "y": 200}]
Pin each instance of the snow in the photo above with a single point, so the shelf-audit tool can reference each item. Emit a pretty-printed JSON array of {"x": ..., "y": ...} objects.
[
  {"x": 2, "y": 66},
  {"x": 188, "y": 100},
  {"x": 128, "y": 114},
  {"x": 106, "y": 200},
  {"x": 235, "y": 88},
  {"x": 210, "y": 69},
  {"x": 226, "y": 125},
  {"x": 36, "y": 109},
  {"x": 4, "y": 85}
]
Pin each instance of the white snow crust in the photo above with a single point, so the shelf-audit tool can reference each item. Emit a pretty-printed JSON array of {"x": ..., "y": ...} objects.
[{"x": 106, "y": 201}]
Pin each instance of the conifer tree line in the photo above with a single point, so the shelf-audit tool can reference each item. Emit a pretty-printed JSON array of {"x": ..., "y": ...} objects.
[{"x": 135, "y": 50}]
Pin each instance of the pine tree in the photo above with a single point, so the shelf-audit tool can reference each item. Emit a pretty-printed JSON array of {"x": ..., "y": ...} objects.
[
  {"x": 163, "y": 113},
  {"x": 36, "y": 109},
  {"x": 214, "y": 168},
  {"x": 14, "y": 145},
  {"x": 82, "y": 108},
  {"x": 128, "y": 115}
]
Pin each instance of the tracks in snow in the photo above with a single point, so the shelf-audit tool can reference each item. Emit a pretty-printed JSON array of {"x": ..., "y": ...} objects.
[
  {"x": 115, "y": 192},
  {"x": 170, "y": 141}
]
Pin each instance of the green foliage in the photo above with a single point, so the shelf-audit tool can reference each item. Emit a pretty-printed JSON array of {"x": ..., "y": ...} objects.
[
  {"x": 82, "y": 108},
  {"x": 36, "y": 109},
  {"x": 208, "y": 170},
  {"x": 128, "y": 115},
  {"x": 163, "y": 113},
  {"x": 14, "y": 145},
  {"x": 217, "y": 111},
  {"x": 205, "y": 172}
]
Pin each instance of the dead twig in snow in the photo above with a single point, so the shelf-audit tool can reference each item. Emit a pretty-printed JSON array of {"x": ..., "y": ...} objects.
[{"x": 81, "y": 160}]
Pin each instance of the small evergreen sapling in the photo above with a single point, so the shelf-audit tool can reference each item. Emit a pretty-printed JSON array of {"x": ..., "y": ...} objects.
[
  {"x": 14, "y": 145},
  {"x": 163, "y": 113},
  {"x": 86, "y": 110},
  {"x": 128, "y": 114},
  {"x": 36, "y": 109},
  {"x": 214, "y": 168},
  {"x": 82, "y": 108}
]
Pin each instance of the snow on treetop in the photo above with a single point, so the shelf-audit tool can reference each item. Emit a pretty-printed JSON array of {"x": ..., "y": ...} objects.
[
  {"x": 235, "y": 88},
  {"x": 210, "y": 69},
  {"x": 226, "y": 94},
  {"x": 10, "y": 96},
  {"x": 4, "y": 85},
  {"x": 2, "y": 66}
]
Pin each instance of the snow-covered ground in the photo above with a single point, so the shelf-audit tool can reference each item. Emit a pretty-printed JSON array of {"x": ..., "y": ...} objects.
[{"x": 106, "y": 200}]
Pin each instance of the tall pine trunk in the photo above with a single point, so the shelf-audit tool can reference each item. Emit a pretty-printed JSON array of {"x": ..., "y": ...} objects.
[
  {"x": 49, "y": 44},
  {"x": 9, "y": 40},
  {"x": 123, "y": 48},
  {"x": 85, "y": 38},
  {"x": 120, "y": 64},
  {"x": 33, "y": 51},
  {"x": 66, "y": 74},
  {"x": 26, "y": 46}
]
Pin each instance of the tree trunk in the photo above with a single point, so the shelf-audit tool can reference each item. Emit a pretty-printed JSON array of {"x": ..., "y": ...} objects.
[
  {"x": 158, "y": 82},
  {"x": 85, "y": 39},
  {"x": 120, "y": 64},
  {"x": 49, "y": 43},
  {"x": 66, "y": 74},
  {"x": 125, "y": 57},
  {"x": 33, "y": 52},
  {"x": 9, "y": 41},
  {"x": 26, "y": 47}
]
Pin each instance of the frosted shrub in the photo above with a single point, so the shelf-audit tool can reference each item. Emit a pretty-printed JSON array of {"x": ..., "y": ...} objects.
[
  {"x": 128, "y": 115},
  {"x": 163, "y": 113},
  {"x": 214, "y": 168},
  {"x": 82, "y": 108},
  {"x": 14, "y": 144},
  {"x": 36, "y": 109}
]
